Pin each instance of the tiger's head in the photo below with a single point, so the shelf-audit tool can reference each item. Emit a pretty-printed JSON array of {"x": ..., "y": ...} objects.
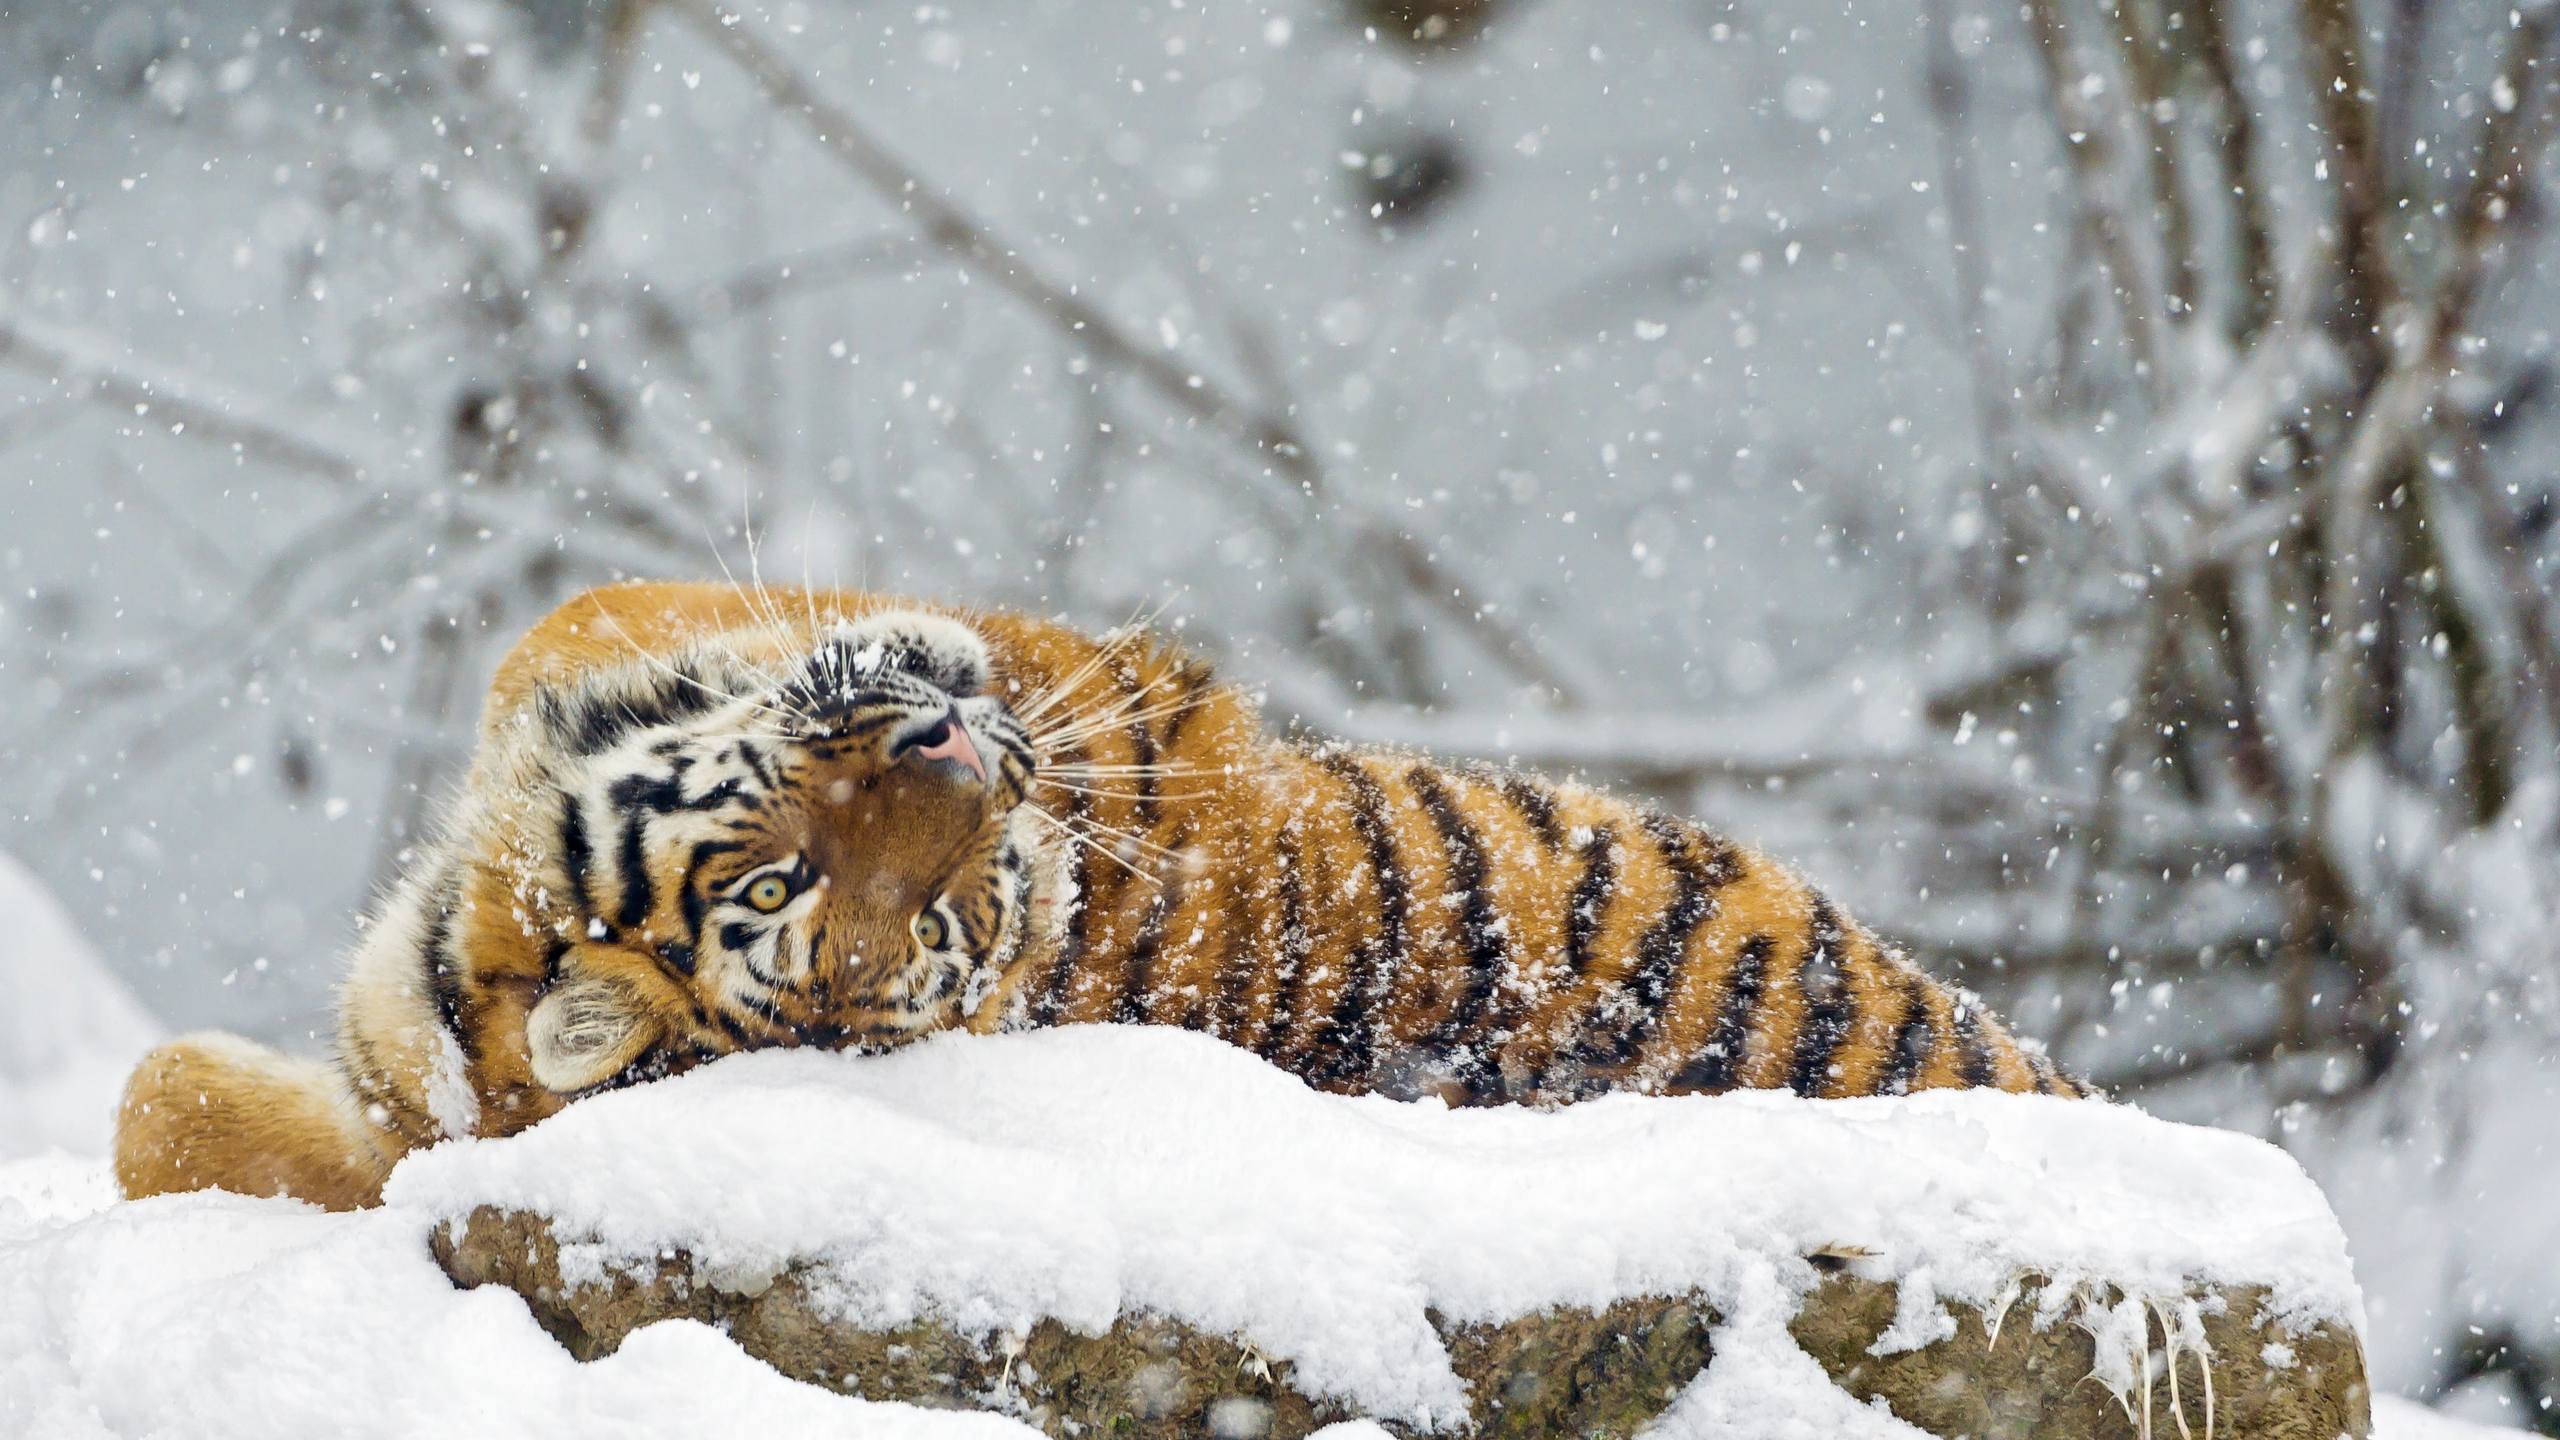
[{"x": 763, "y": 841}]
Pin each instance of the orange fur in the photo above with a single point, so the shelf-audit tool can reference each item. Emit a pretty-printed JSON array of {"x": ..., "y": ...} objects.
[{"x": 211, "y": 1112}]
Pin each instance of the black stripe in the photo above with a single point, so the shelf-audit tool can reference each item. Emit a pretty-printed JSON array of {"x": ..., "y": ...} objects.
[
  {"x": 1488, "y": 952},
  {"x": 1236, "y": 961},
  {"x": 633, "y": 862},
  {"x": 1137, "y": 973},
  {"x": 577, "y": 853},
  {"x": 1589, "y": 907},
  {"x": 867, "y": 725},
  {"x": 1050, "y": 1002},
  {"x": 1143, "y": 751},
  {"x": 1290, "y": 974},
  {"x": 364, "y": 1075},
  {"x": 1830, "y": 1005},
  {"x": 1091, "y": 880},
  {"x": 696, "y": 905},
  {"x": 1586, "y": 912},
  {"x": 1017, "y": 870},
  {"x": 634, "y": 798},
  {"x": 1718, "y": 1064},
  {"x": 733, "y": 789},
  {"x": 444, "y": 967},
  {"x": 1975, "y": 1055},
  {"x": 1017, "y": 747},
  {"x": 1913, "y": 1043},
  {"x": 1536, "y": 804},
  {"x": 1665, "y": 944},
  {"x": 1135, "y": 1006},
  {"x": 1195, "y": 677},
  {"x": 1346, "y": 1045},
  {"x": 593, "y": 726}
]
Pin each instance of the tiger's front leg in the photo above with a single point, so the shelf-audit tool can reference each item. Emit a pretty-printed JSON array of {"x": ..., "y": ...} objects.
[{"x": 216, "y": 1112}]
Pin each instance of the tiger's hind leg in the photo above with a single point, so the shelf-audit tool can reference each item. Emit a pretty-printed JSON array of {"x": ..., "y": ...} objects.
[{"x": 216, "y": 1112}]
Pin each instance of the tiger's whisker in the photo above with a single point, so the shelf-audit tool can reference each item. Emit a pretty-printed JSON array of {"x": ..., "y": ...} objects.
[
  {"x": 1119, "y": 716},
  {"x": 1129, "y": 838},
  {"x": 1073, "y": 836},
  {"x": 1092, "y": 826},
  {"x": 1117, "y": 794},
  {"x": 1105, "y": 723},
  {"x": 789, "y": 720},
  {"x": 1133, "y": 699},
  {"x": 1061, "y": 687},
  {"x": 756, "y": 596},
  {"x": 1138, "y": 620}
]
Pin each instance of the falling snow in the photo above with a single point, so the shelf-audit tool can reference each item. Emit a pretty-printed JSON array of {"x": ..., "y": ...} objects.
[{"x": 2072, "y": 477}]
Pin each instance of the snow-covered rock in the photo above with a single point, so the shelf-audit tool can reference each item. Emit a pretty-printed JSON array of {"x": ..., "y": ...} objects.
[
  {"x": 1021, "y": 1191},
  {"x": 69, "y": 1029}
]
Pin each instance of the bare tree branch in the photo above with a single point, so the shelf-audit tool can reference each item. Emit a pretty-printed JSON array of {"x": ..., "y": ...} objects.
[
  {"x": 2333, "y": 47},
  {"x": 948, "y": 225},
  {"x": 1273, "y": 436},
  {"x": 178, "y": 404}
]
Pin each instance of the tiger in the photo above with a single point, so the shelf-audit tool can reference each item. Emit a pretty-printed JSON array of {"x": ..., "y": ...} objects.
[{"x": 707, "y": 818}]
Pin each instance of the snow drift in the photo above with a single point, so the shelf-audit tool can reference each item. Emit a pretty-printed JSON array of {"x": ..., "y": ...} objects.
[{"x": 69, "y": 1031}]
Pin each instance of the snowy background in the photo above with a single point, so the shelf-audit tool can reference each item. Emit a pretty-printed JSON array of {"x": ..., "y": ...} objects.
[{"x": 2073, "y": 475}]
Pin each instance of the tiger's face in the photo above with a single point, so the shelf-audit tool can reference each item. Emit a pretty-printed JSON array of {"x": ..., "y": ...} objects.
[{"x": 759, "y": 845}]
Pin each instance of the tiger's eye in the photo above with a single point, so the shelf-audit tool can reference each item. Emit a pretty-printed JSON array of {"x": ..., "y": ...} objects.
[
  {"x": 769, "y": 893},
  {"x": 931, "y": 932}
]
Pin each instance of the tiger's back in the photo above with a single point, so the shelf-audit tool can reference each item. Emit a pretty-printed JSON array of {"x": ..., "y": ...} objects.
[
  {"x": 1381, "y": 921},
  {"x": 1375, "y": 921}
]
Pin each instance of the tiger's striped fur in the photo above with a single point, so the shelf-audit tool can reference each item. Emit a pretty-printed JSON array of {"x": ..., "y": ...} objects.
[{"x": 1139, "y": 851}]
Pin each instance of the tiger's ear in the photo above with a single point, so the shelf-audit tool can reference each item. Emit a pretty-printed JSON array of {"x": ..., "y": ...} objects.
[{"x": 584, "y": 1031}]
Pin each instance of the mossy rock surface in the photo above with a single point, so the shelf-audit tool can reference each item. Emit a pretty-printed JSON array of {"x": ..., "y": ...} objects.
[
  {"x": 1564, "y": 1372},
  {"x": 2266, "y": 1382}
]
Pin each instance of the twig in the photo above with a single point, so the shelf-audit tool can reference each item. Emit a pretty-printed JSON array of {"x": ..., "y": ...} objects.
[
  {"x": 944, "y": 222},
  {"x": 2333, "y": 47},
  {"x": 757, "y": 285},
  {"x": 1272, "y": 435},
  {"x": 2236, "y": 161},
  {"x": 2089, "y": 143},
  {"x": 180, "y": 404}
]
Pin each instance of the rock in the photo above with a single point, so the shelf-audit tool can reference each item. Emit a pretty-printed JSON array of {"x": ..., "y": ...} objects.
[
  {"x": 1561, "y": 1372},
  {"x": 2031, "y": 1381}
]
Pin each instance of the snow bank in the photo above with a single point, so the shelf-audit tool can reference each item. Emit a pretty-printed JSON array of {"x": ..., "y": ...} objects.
[
  {"x": 69, "y": 1032},
  {"x": 1074, "y": 1173},
  {"x": 215, "y": 1316},
  {"x": 2398, "y": 1419}
]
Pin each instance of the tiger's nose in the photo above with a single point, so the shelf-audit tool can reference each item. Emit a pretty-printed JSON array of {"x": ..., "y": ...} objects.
[{"x": 946, "y": 741}]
